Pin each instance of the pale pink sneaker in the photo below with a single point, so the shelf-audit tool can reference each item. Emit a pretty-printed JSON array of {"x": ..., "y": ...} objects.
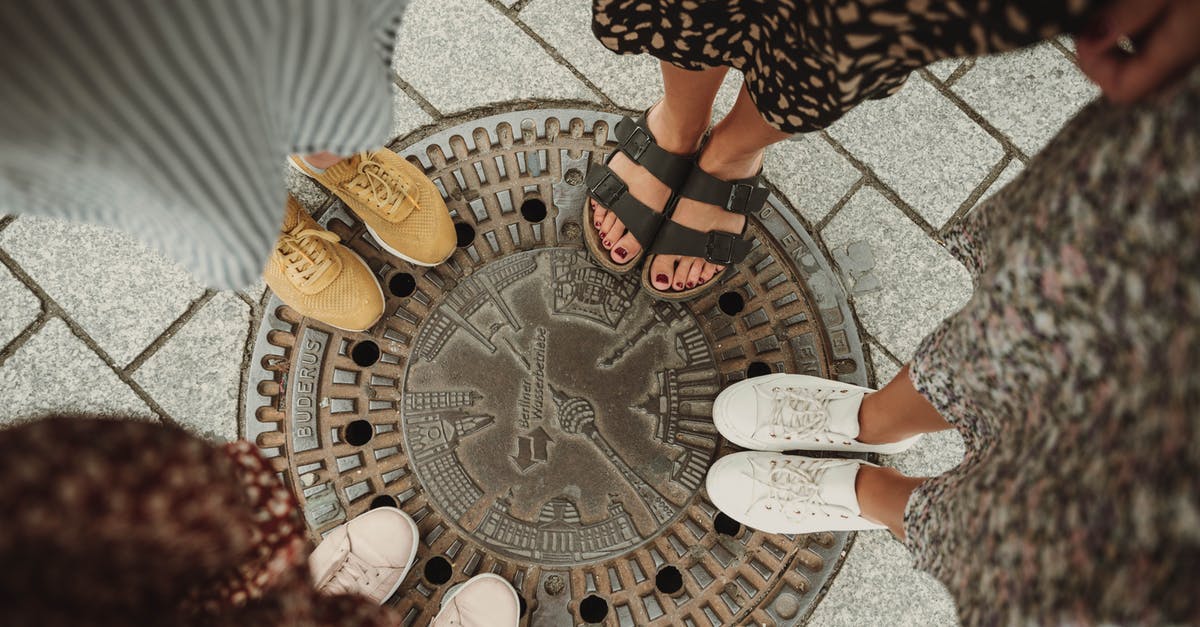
[
  {"x": 482, "y": 601},
  {"x": 368, "y": 556}
]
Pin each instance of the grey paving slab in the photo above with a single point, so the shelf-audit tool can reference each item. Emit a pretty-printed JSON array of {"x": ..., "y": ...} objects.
[
  {"x": 885, "y": 368},
  {"x": 120, "y": 292},
  {"x": 1007, "y": 175},
  {"x": 944, "y": 68},
  {"x": 311, "y": 195},
  {"x": 877, "y": 585},
  {"x": 1028, "y": 94},
  {"x": 631, "y": 81},
  {"x": 461, "y": 54},
  {"x": 407, "y": 115},
  {"x": 195, "y": 376},
  {"x": 55, "y": 372},
  {"x": 18, "y": 307},
  {"x": 810, "y": 173},
  {"x": 902, "y": 282},
  {"x": 922, "y": 146},
  {"x": 932, "y": 455}
]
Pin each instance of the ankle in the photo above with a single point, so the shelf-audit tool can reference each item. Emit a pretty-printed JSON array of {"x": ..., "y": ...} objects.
[
  {"x": 883, "y": 495},
  {"x": 730, "y": 164},
  {"x": 677, "y": 130},
  {"x": 875, "y": 423}
]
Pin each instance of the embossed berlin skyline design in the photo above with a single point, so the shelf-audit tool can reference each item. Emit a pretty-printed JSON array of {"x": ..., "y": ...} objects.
[
  {"x": 540, "y": 418},
  {"x": 554, "y": 465}
]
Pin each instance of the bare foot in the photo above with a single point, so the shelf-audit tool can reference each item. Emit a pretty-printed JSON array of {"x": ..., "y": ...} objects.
[
  {"x": 675, "y": 273},
  {"x": 642, "y": 184}
]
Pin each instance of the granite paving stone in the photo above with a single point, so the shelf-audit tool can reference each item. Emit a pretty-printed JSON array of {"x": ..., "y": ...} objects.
[
  {"x": 305, "y": 190},
  {"x": 55, "y": 372},
  {"x": 18, "y": 307},
  {"x": 912, "y": 282},
  {"x": 631, "y": 81},
  {"x": 120, "y": 292},
  {"x": 921, "y": 145},
  {"x": 1007, "y": 175},
  {"x": 461, "y": 54},
  {"x": 885, "y": 368},
  {"x": 195, "y": 376},
  {"x": 407, "y": 115},
  {"x": 877, "y": 585},
  {"x": 932, "y": 455},
  {"x": 1028, "y": 95},
  {"x": 810, "y": 173},
  {"x": 944, "y": 68}
]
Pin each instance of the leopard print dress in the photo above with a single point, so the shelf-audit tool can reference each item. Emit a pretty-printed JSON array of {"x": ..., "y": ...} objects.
[{"x": 808, "y": 62}]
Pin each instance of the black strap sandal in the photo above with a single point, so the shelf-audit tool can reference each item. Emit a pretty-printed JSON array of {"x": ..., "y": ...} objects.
[
  {"x": 637, "y": 142},
  {"x": 744, "y": 196}
]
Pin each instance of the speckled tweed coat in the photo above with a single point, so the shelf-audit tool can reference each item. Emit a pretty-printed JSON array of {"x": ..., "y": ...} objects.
[{"x": 1072, "y": 376}]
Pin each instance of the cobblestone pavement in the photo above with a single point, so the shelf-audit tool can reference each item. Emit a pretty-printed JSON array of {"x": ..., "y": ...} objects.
[{"x": 91, "y": 321}]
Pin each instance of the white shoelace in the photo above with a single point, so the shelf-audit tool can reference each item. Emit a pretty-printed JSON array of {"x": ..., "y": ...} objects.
[
  {"x": 801, "y": 411},
  {"x": 793, "y": 489},
  {"x": 306, "y": 254},
  {"x": 386, "y": 190},
  {"x": 352, "y": 575}
]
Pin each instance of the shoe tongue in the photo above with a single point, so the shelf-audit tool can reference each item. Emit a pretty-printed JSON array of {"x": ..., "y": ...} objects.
[
  {"x": 843, "y": 415},
  {"x": 837, "y": 486}
]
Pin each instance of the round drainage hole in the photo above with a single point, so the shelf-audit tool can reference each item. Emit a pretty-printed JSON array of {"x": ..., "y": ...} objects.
[
  {"x": 437, "y": 570},
  {"x": 465, "y": 233},
  {"x": 533, "y": 210},
  {"x": 757, "y": 369},
  {"x": 524, "y": 607},
  {"x": 383, "y": 500},
  {"x": 358, "y": 432},
  {"x": 668, "y": 580},
  {"x": 725, "y": 525},
  {"x": 365, "y": 353},
  {"x": 402, "y": 285},
  {"x": 593, "y": 609},
  {"x": 731, "y": 303}
]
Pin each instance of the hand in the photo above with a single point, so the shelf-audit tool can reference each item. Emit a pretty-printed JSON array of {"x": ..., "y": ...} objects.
[{"x": 1166, "y": 39}]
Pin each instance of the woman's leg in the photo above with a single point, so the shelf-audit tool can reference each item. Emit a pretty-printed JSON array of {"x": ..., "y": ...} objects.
[
  {"x": 678, "y": 123},
  {"x": 897, "y": 412},
  {"x": 734, "y": 151}
]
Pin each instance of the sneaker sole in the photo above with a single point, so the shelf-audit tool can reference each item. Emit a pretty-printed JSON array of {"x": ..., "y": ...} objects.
[
  {"x": 751, "y": 445},
  {"x": 378, "y": 240}
]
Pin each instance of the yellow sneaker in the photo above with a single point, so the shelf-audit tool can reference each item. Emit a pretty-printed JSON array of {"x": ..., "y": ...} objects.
[
  {"x": 316, "y": 275},
  {"x": 400, "y": 206}
]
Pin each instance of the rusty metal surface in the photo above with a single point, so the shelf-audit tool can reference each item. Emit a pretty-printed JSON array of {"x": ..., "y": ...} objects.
[{"x": 541, "y": 418}]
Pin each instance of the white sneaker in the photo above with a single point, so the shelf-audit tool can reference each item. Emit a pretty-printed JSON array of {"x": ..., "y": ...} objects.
[
  {"x": 791, "y": 412},
  {"x": 779, "y": 493},
  {"x": 485, "y": 600},
  {"x": 369, "y": 556}
]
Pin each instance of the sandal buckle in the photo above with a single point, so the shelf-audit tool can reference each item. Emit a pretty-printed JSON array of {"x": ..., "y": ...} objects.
[
  {"x": 719, "y": 249},
  {"x": 739, "y": 198},
  {"x": 636, "y": 144},
  {"x": 608, "y": 189}
]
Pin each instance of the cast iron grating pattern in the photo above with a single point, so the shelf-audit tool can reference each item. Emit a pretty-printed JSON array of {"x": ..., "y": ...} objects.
[{"x": 541, "y": 418}]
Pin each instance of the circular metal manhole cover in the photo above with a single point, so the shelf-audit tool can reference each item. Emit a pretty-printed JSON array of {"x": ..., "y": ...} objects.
[{"x": 541, "y": 418}]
